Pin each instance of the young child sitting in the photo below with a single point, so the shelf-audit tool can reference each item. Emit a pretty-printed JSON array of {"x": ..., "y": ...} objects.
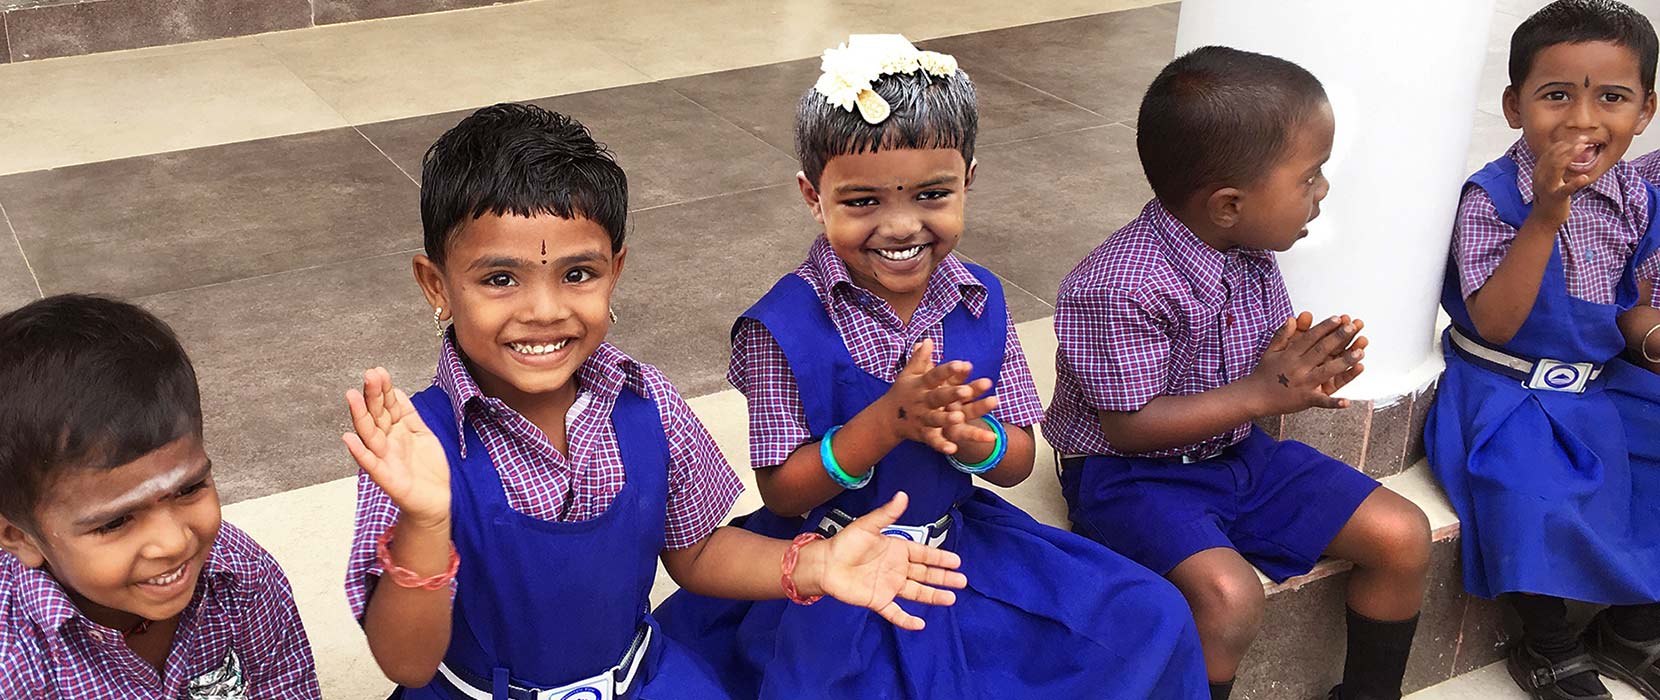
[
  {"x": 510, "y": 517},
  {"x": 1525, "y": 434},
  {"x": 118, "y": 579},
  {"x": 864, "y": 370},
  {"x": 1177, "y": 332}
]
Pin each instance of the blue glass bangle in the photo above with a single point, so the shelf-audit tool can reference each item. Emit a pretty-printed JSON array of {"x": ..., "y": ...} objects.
[
  {"x": 997, "y": 452},
  {"x": 834, "y": 469}
]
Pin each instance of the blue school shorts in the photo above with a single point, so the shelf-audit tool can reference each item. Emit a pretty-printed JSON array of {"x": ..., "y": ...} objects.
[{"x": 1278, "y": 503}]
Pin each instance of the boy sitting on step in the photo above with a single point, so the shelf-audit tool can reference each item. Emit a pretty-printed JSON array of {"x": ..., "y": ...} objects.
[{"x": 1177, "y": 332}]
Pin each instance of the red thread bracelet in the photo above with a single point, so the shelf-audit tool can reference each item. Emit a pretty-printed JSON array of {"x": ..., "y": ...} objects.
[
  {"x": 404, "y": 578},
  {"x": 791, "y": 555}
]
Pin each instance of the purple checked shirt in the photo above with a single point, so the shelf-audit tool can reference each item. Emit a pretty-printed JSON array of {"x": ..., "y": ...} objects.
[
  {"x": 544, "y": 484},
  {"x": 1648, "y": 167},
  {"x": 879, "y": 342},
  {"x": 1152, "y": 312},
  {"x": 1605, "y": 223},
  {"x": 243, "y": 606}
]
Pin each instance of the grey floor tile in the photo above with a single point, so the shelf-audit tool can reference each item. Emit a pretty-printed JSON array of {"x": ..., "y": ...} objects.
[
  {"x": 763, "y": 100},
  {"x": 275, "y": 356},
  {"x": 17, "y": 283},
  {"x": 693, "y": 267},
  {"x": 1038, "y": 207},
  {"x": 672, "y": 149},
  {"x": 160, "y": 223},
  {"x": 1100, "y": 62}
]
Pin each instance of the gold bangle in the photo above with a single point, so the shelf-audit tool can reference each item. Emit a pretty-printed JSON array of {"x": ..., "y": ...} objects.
[{"x": 1644, "y": 346}]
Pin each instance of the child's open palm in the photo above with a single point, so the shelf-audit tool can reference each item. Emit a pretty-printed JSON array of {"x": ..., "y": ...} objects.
[
  {"x": 393, "y": 445},
  {"x": 866, "y": 568}
]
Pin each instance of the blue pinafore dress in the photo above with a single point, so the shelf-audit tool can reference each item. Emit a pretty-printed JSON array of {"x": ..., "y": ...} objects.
[
  {"x": 1046, "y": 613},
  {"x": 544, "y": 604},
  {"x": 1549, "y": 498}
]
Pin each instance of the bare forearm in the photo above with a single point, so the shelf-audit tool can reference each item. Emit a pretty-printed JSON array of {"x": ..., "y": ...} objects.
[
  {"x": 1637, "y": 325},
  {"x": 738, "y": 564},
  {"x": 409, "y": 629},
  {"x": 1174, "y": 421},
  {"x": 801, "y": 484},
  {"x": 1502, "y": 304}
]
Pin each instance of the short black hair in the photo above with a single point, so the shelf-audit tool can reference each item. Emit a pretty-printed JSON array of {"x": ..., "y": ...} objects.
[
  {"x": 522, "y": 160},
  {"x": 927, "y": 112},
  {"x": 1579, "y": 21},
  {"x": 89, "y": 383},
  {"x": 1218, "y": 116}
]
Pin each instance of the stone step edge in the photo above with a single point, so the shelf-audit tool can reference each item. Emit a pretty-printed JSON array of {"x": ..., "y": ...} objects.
[{"x": 1417, "y": 484}]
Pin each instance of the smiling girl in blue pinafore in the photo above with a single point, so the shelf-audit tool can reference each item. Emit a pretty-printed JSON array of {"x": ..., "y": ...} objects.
[
  {"x": 560, "y": 469},
  {"x": 858, "y": 368},
  {"x": 1530, "y": 433}
]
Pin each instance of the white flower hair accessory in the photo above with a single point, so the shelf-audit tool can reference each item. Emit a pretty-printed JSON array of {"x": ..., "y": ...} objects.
[{"x": 850, "y": 71}]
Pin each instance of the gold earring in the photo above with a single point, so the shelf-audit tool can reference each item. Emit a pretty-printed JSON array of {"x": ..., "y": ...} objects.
[
  {"x": 613, "y": 314},
  {"x": 438, "y": 321}
]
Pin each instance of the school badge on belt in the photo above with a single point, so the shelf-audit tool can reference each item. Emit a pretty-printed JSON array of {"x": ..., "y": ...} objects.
[{"x": 224, "y": 683}]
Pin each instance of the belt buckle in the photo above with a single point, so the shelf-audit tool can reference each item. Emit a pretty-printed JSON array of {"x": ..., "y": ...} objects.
[
  {"x": 1555, "y": 375},
  {"x": 913, "y": 533},
  {"x": 599, "y": 687}
]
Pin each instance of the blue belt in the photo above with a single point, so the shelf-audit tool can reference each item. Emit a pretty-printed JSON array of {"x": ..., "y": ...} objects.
[{"x": 1543, "y": 374}]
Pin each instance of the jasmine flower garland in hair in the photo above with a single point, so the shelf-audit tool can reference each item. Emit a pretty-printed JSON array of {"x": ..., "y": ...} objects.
[{"x": 851, "y": 70}]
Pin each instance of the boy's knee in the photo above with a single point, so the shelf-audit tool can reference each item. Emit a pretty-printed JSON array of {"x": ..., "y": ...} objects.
[
  {"x": 1403, "y": 540},
  {"x": 1229, "y": 601}
]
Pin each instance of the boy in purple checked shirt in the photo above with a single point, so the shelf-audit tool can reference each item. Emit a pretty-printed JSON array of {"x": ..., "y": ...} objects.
[
  {"x": 1542, "y": 434},
  {"x": 1177, "y": 332},
  {"x": 118, "y": 581}
]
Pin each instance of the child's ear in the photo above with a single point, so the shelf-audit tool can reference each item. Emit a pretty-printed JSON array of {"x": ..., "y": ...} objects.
[
  {"x": 973, "y": 166},
  {"x": 20, "y": 544},
  {"x": 431, "y": 279},
  {"x": 1512, "y": 102},
  {"x": 1648, "y": 113},
  {"x": 809, "y": 194},
  {"x": 617, "y": 265},
  {"x": 1223, "y": 207}
]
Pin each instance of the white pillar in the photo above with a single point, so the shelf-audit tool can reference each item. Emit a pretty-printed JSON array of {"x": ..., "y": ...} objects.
[{"x": 1402, "y": 76}]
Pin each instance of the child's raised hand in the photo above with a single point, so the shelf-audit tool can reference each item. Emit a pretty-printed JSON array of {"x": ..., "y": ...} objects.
[
  {"x": 393, "y": 445},
  {"x": 918, "y": 403},
  {"x": 863, "y": 567},
  {"x": 1301, "y": 368},
  {"x": 1553, "y": 184}
]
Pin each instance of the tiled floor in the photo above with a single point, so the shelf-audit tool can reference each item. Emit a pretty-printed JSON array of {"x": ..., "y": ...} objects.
[{"x": 259, "y": 193}]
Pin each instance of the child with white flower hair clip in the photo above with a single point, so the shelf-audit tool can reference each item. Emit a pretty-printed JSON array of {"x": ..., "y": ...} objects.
[{"x": 885, "y": 363}]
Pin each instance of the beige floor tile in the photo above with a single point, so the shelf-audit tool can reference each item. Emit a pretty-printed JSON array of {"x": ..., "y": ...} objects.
[
  {"x": 424, "y": 64},
  {"x": 1493, "y": 683},
  {"x": 309, "y": 531},
  {"x": 91, "y": 108},
  {"x": 651, "y": 36}
]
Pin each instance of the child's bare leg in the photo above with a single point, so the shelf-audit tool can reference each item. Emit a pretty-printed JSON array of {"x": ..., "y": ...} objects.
[
  {"x": 1387, "y": 538},
  {"x": 1227, "y": 601}
]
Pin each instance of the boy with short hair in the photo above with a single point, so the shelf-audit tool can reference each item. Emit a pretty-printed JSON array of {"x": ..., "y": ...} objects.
[
  {"x": 1177, "y": 332},
  {"x": 119, "y": 580}
]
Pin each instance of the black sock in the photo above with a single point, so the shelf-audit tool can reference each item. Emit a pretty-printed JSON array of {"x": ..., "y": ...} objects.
[
  {"x": 1545, "y": 630},
  {"x": 1638, "y": 623},
  {"x": 1376, "y": 660},
  {"x": 1221, "y": 691}
]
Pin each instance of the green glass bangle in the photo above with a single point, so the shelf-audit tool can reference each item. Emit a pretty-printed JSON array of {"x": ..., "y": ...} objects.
[
  {"x": 834, "y": 469},
  {"x": 992, "y": 460}
]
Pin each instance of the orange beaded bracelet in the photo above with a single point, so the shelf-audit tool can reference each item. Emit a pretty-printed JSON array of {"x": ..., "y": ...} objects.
[
  {"x": 791, "y": 555},
  {"x": 404, "y": 578}
]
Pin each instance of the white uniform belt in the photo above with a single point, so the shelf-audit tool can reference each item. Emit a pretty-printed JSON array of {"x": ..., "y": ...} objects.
[
  {"x": 611, "y": 684},
  {"x": 932, "y": 534},
  {"x": 1544, "y": 374}
]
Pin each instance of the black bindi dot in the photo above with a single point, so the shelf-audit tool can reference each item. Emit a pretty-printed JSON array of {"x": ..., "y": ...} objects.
[
  {"x": 901, "y": 188},
  {"x": 1587, "y": 81}
]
